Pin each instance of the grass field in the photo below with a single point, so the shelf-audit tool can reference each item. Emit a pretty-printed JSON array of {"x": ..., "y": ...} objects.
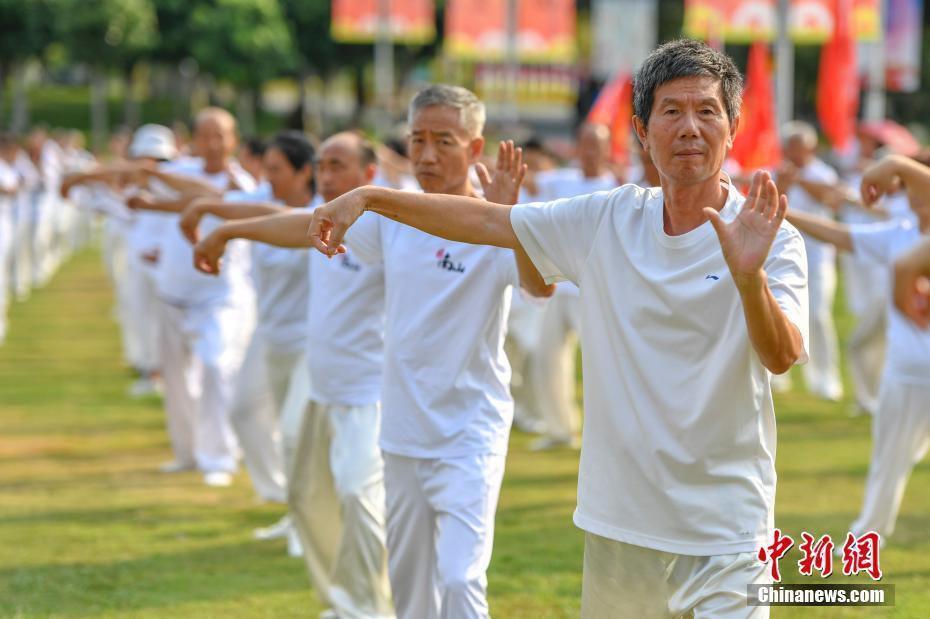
[{"x": 89, "y": 529}]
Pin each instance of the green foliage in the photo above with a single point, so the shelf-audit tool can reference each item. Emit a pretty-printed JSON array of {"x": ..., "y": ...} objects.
[
  {"x": 242, "y": 41},
  {"x": 107, "y": 33},
  {"x": 25, "y": 29}
]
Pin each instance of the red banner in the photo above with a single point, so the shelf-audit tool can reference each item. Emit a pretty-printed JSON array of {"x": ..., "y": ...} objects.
[
  {"x": 757, "y": 144},
  {"x": 410, "y": 21},
  {"x": 477, "y": 30}
]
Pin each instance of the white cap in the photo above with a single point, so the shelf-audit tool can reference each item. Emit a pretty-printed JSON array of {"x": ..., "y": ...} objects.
[{"x": 154, "y": 141}]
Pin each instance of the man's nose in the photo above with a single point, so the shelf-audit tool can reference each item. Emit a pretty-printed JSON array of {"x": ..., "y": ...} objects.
[{"x": 688, "y": 125}]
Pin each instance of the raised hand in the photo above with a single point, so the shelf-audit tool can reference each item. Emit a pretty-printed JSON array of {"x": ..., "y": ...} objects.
[
  {"x": 912, "y": 285},
  {"x": 880, "y": 180},
  {"x": 331, "y": 220},
  {"x": 190, "y": 222},
  {"x": 209, "y": 251},
  {"x": 503, "y": 185},
  {"x": 746, "y": 240}
]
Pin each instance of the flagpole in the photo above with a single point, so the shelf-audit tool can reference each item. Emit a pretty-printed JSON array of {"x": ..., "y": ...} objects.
[
  {"x": 384, "y": 67},
  {"x": 784, "y": 61},
  {"x": 875, "y": 97}
]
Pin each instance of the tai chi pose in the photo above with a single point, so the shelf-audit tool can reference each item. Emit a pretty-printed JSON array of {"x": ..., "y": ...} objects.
[
  {"x": 336, "y": 484},
  {"x": 447, "y": 408},
  {"x": 683, "y": 320},
  {"x": 901, "y": 425}
]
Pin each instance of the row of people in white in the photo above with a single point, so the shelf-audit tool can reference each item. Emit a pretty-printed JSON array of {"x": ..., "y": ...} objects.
[{"x": 901, "y": 424}]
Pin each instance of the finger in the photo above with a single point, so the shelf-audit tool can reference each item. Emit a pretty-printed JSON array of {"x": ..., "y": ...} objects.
[
  {"x": 770, "y": 201},
  {"x": 501, "y": 155},
  {"x": 715, "y": 221},
  {"x": 521, "y": 174},
  {"x": 781, "y": 211},
  {"x": 518, "y": 163},
  {"x": 484, "y": 177},
  {"x": 752, "y": 196}
]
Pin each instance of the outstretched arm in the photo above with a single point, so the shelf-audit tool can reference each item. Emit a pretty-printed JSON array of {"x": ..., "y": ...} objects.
[
  {"x": 912, "y": 284},
  {"x": 183, "y": 183},
  {"x": 195, "y": 211},
  {"x": 886, "y": 176},
  {"x": 285, "y": 229},
  {"x": 746, "y": 242},
  {"x": 822, "y": 229}
]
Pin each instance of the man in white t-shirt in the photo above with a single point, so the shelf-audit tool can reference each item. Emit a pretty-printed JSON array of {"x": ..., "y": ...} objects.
[
  {"x": 901, "y": 425},
  {"x": 206, "y": 322},
  {"x": 683, "y": 322},
  {"x": 447, "y": 408},
  {"x": 558, "y": 340},
  {"x": 822, "y": 373},
  {"x": 336, "y": 488},
  {"x": 9, "y": 187}
]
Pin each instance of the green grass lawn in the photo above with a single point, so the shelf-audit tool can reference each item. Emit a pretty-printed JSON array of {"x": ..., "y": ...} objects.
[{"x": 88, "y": 528}]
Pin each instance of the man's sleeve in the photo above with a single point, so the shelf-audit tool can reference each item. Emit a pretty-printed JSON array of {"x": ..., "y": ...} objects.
[
  {"x": 786, "y": 269},
  {"x": 875, "y": 242},
  {"x": 558, "y": 235},
  {"x": 363, "y": 238}
]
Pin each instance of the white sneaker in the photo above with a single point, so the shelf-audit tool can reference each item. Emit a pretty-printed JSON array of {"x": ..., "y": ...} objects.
[
  {"x": 547, "y": 443},
  {"x": 173, "y": 466},
  {"x": 276, "y": 531},
  {"x": 218, "y": 479},
  {"x": 294, "y": 547},
  {"x": 144, "y": 387}
]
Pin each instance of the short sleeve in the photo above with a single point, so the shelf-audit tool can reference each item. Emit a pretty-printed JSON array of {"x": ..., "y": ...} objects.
[
  {"x": 364, "y": 238},
  {"x": 876, "y": 242},
  {"x": 786, "y": 269},
  {"x": 558, "y": 235}
]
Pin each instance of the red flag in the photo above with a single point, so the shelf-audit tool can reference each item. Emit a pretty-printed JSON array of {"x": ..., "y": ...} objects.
[
  {"x": 756, "y": 144},
  {"x": 838, "y": 81},
  {"x": 614, "y": 108}
]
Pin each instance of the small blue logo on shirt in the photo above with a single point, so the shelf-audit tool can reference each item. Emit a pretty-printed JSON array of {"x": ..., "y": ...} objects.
[{"x": 713, "y": 277}]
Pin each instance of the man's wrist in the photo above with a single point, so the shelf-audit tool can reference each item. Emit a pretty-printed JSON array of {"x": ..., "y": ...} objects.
[{"x": 750, "y": 283}]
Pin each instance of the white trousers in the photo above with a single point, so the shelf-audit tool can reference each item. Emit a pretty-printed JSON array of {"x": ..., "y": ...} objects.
[
  {"x": 554, "y": 367},
  {"x": 822, "y": 372},
  {"x": 261, "y": 388},
  {"x": 43, "y": 239},
  {"x": 440, "y": 533},
  {"x": 139, "y": 315},
  {"x": 867, "y": 344},
  {"x": 6, "y": 261},
  {"x": 336, "y": 498},
  {"x": 900, "y": 438},
  {"x": 623, "y": 581},
  {"x": 202, "y": 352},
  {"x": 24, "y": 223},
  {"x": 523, "y": 331}
]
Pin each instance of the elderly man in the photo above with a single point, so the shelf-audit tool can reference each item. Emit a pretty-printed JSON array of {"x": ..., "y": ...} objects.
[
  {"x": 822, "y": 374},
  {"x": 683, "y": 322},
  {"x": 205, "y": 322},
  {"x": 336, "y": 488}
]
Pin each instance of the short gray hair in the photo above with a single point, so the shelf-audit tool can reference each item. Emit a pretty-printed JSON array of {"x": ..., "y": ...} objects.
[
  {"x": 470, "y": 107},
  {"x": 799, "y": 130},
  {"x": 686, "y": 58}
]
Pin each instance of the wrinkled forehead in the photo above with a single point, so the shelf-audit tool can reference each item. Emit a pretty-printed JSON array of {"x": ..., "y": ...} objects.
[
  {"x": 695, "y": 89},
  {"x": 438, "y": 119}
]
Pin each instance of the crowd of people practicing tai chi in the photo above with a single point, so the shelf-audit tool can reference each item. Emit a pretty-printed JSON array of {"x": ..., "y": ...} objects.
[{"x": 338, "y": 321}]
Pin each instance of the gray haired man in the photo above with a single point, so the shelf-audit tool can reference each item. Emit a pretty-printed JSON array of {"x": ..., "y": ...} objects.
[{"x": 691, "y": 296}]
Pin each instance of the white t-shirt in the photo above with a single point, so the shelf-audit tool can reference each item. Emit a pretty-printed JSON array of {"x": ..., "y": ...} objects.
[
  {"x": 908, "y": 356},
  {"x": 178, "y": 282},
  {"x": 679, "y": 430},
  {"x": 569, "y": 183},
  {"x": 346, "y": 311},
  {"x": 281, "y": 287},
  {"x": 445, "y": 390},
  {"x": 799, "y": 200}
]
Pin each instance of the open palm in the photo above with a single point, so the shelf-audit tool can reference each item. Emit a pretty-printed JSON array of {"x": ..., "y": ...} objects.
[
  {"x": 746, "y": 240},
  {"x": 502, "y": 185}
]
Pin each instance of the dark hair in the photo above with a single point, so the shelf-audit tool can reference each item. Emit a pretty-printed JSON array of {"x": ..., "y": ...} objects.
[
  {"x": 256, "y": 145},
  {"x": 295, "y": 147},
  {"x": 686, "y": 58}
]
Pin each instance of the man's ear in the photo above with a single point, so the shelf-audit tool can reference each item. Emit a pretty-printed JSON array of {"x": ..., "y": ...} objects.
[
  {"x": 370, "y": 171},
  {"x": 734, "y": 127},
  {"x": 640, "y": 130},
  {"x": 475, "y": 149}
]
